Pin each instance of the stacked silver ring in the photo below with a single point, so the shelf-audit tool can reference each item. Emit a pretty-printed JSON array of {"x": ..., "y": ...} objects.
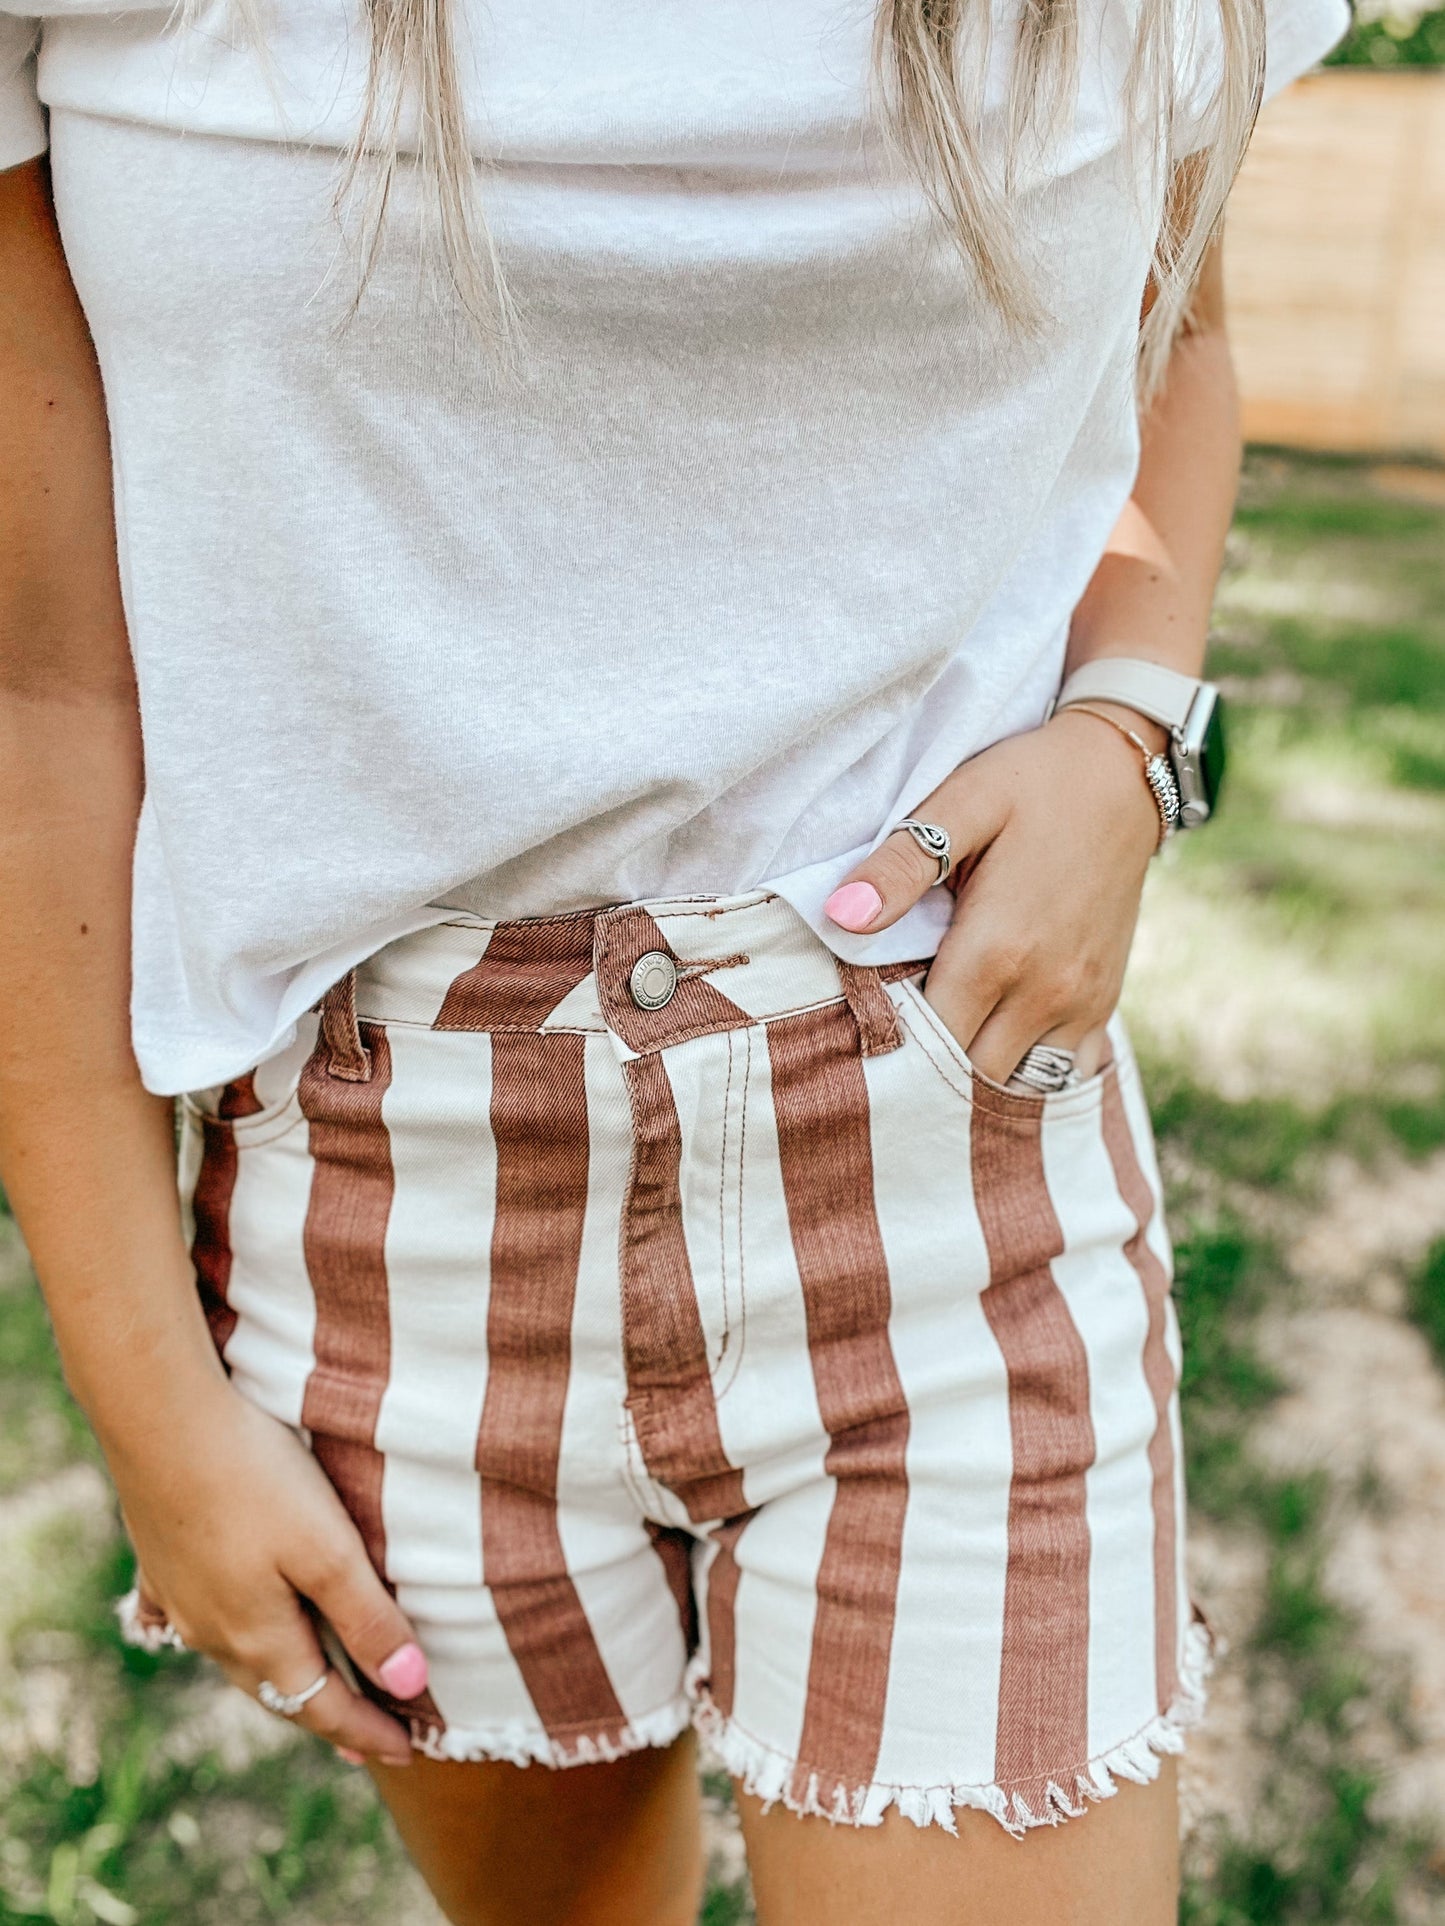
[
  {"x": 1045, "y": 1068},
  {"x": 934, "y": 840}
]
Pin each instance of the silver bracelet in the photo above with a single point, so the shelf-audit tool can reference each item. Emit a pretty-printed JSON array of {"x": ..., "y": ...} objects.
[{"x": 1158, "y": 772}]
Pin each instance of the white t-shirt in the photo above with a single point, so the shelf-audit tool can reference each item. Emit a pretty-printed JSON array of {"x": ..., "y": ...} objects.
[{"x": 771, "y": 527}]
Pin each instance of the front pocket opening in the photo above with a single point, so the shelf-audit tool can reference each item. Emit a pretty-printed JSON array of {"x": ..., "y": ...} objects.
[
  {"x": 253, "y": 1103},
  {"x": 928, "y": 1028}
]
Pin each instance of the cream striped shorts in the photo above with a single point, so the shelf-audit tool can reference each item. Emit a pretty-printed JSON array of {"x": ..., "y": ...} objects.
[{"x": 742, "y": 1359}]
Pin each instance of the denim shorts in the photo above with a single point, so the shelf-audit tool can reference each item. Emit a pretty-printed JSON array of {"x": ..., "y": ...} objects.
[{"x": 697, "y": 1337}]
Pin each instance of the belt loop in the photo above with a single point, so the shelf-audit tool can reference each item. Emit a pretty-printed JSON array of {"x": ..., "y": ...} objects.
[
  {"x": 347, "y": 1056},
  {"x": 873, "y": 1009}
]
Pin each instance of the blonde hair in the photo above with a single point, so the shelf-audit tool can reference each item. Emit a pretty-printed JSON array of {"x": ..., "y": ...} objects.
[
  {"x": 933, "y": 114},
  {"x": 928, "y": 57}
]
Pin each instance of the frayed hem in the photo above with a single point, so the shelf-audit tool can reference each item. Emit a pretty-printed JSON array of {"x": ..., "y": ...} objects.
[
  {"x": 145, "y": 1626},
  {"x": 521, "y": 1745},
  {"x": 775, "y": 1779}
]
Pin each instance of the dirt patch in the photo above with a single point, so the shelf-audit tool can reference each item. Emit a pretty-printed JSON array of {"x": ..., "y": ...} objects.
[{"x": 1366, "y": 1405}]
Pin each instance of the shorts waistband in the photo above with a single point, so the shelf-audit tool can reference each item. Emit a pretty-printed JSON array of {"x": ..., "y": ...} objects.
[{"x": 651, "y": 974}]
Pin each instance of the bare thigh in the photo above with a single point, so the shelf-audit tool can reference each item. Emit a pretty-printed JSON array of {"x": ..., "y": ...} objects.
[
  {"x": 1119, "y": 1861},
  {"x": 593, "y": 1845}
]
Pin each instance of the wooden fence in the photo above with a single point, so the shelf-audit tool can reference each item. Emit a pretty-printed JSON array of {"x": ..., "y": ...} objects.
[{"x": 1335, "y": 255}]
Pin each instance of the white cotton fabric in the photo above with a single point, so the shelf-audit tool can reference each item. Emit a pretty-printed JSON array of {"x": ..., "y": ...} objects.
[{"x": 770, "y": 527}]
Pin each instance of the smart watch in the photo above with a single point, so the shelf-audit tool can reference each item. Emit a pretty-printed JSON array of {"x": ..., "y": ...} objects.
[{"x": 1192, "y": 711}]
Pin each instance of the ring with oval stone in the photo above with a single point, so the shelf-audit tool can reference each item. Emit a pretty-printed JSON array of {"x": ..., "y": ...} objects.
[{"x": 933, "y": 839}]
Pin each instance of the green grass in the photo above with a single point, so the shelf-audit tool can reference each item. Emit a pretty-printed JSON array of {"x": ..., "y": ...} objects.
[
  {"x": 40, "y": 1429},
  {"x": 1312, "y": 517},
  {"x": 1323, "y": 885},
  {"x": 726, "y": 1906},
  {"x": 1426, "y": 1292},
  {"x": 1274, "y": 1142},
  {"x": 1406, "y": 39},
  {"x": 142, "y": 1837},
  {"x": 1223, "y": 1277},
  {"x": 1352, "y": 665},
  {"x": 1344, "y": 1868},
  {"x": 1316, "y": 1849}
]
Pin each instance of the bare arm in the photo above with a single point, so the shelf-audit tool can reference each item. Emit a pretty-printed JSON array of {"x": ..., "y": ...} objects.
[
  {"x": 86, "y": 1155},
  {"x": 86, "y": 1152},
  {"x": 1054, "y": 829},
  {"x": 1152, "y": 591}
]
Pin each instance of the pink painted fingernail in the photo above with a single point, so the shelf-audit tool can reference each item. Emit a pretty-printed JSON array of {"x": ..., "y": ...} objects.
[
  {"x": 854, "y": 906},
  {"x": 351, "y": 1758},
  {"x": 404, "y": 1673}
]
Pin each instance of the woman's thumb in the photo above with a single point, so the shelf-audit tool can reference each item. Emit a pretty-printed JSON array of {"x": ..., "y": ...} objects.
[{"x": 901, "y": 870}]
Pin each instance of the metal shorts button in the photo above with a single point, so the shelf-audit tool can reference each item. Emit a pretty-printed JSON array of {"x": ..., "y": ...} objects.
[{"x": 653, "y": 980}]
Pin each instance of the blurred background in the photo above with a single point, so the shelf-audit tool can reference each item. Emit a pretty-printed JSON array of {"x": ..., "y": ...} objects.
[{"x": 1288, "y": 995}]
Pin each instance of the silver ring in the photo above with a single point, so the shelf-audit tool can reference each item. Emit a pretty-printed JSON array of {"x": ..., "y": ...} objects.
[
  {"x": 145, "y": 1625},
  {"x": 933, "y": 839},
  {"x": 1046, "y": 1068},
  {"x": 288, "y": 1704}
]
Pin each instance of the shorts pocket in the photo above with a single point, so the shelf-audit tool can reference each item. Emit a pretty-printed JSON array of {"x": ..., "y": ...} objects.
[
  {"x": 933, "y": 1036},
  {"x": 261, "y": 1104}
]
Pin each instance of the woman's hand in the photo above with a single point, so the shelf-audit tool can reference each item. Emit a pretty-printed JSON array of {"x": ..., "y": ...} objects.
[
  {"x": 234, "y": 1528},
  {"x": 1052, "y": 834}
]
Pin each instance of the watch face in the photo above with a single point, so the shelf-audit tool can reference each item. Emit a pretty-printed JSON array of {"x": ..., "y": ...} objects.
[{"x": 1212, "y": 753}]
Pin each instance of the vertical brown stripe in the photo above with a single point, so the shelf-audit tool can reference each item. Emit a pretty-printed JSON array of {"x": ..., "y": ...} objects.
[
  {"x": 211, "y": 1207},
  {"x": 239, "y": 1099},
  {"x": 211, "y": 1244},
  {"x": 524, "y": 973},
  {"x": 669, "y": 1382},
  {"x": 722, "y": 1607},
  {"x": 539, "y": 1124},
  {"x": 1043, "y": 1711},
  {"x": 674, "y": 1554},
  {"x": 345, "y": 1247},
  {"x": 820, "y": 1098},
  {"x": 344, "y": 1241},
  {"x": 1158, "y": 1368}
]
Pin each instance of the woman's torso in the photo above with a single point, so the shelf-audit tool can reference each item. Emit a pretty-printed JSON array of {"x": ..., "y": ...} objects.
[{"x": 771, "y": 523}]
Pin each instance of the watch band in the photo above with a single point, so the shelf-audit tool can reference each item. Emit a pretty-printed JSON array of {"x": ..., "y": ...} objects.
[{"x": 1164, "y": 695}]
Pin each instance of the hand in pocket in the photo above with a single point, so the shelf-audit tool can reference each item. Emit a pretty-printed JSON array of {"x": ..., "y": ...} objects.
[{"x": 1052, "y": 833}]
